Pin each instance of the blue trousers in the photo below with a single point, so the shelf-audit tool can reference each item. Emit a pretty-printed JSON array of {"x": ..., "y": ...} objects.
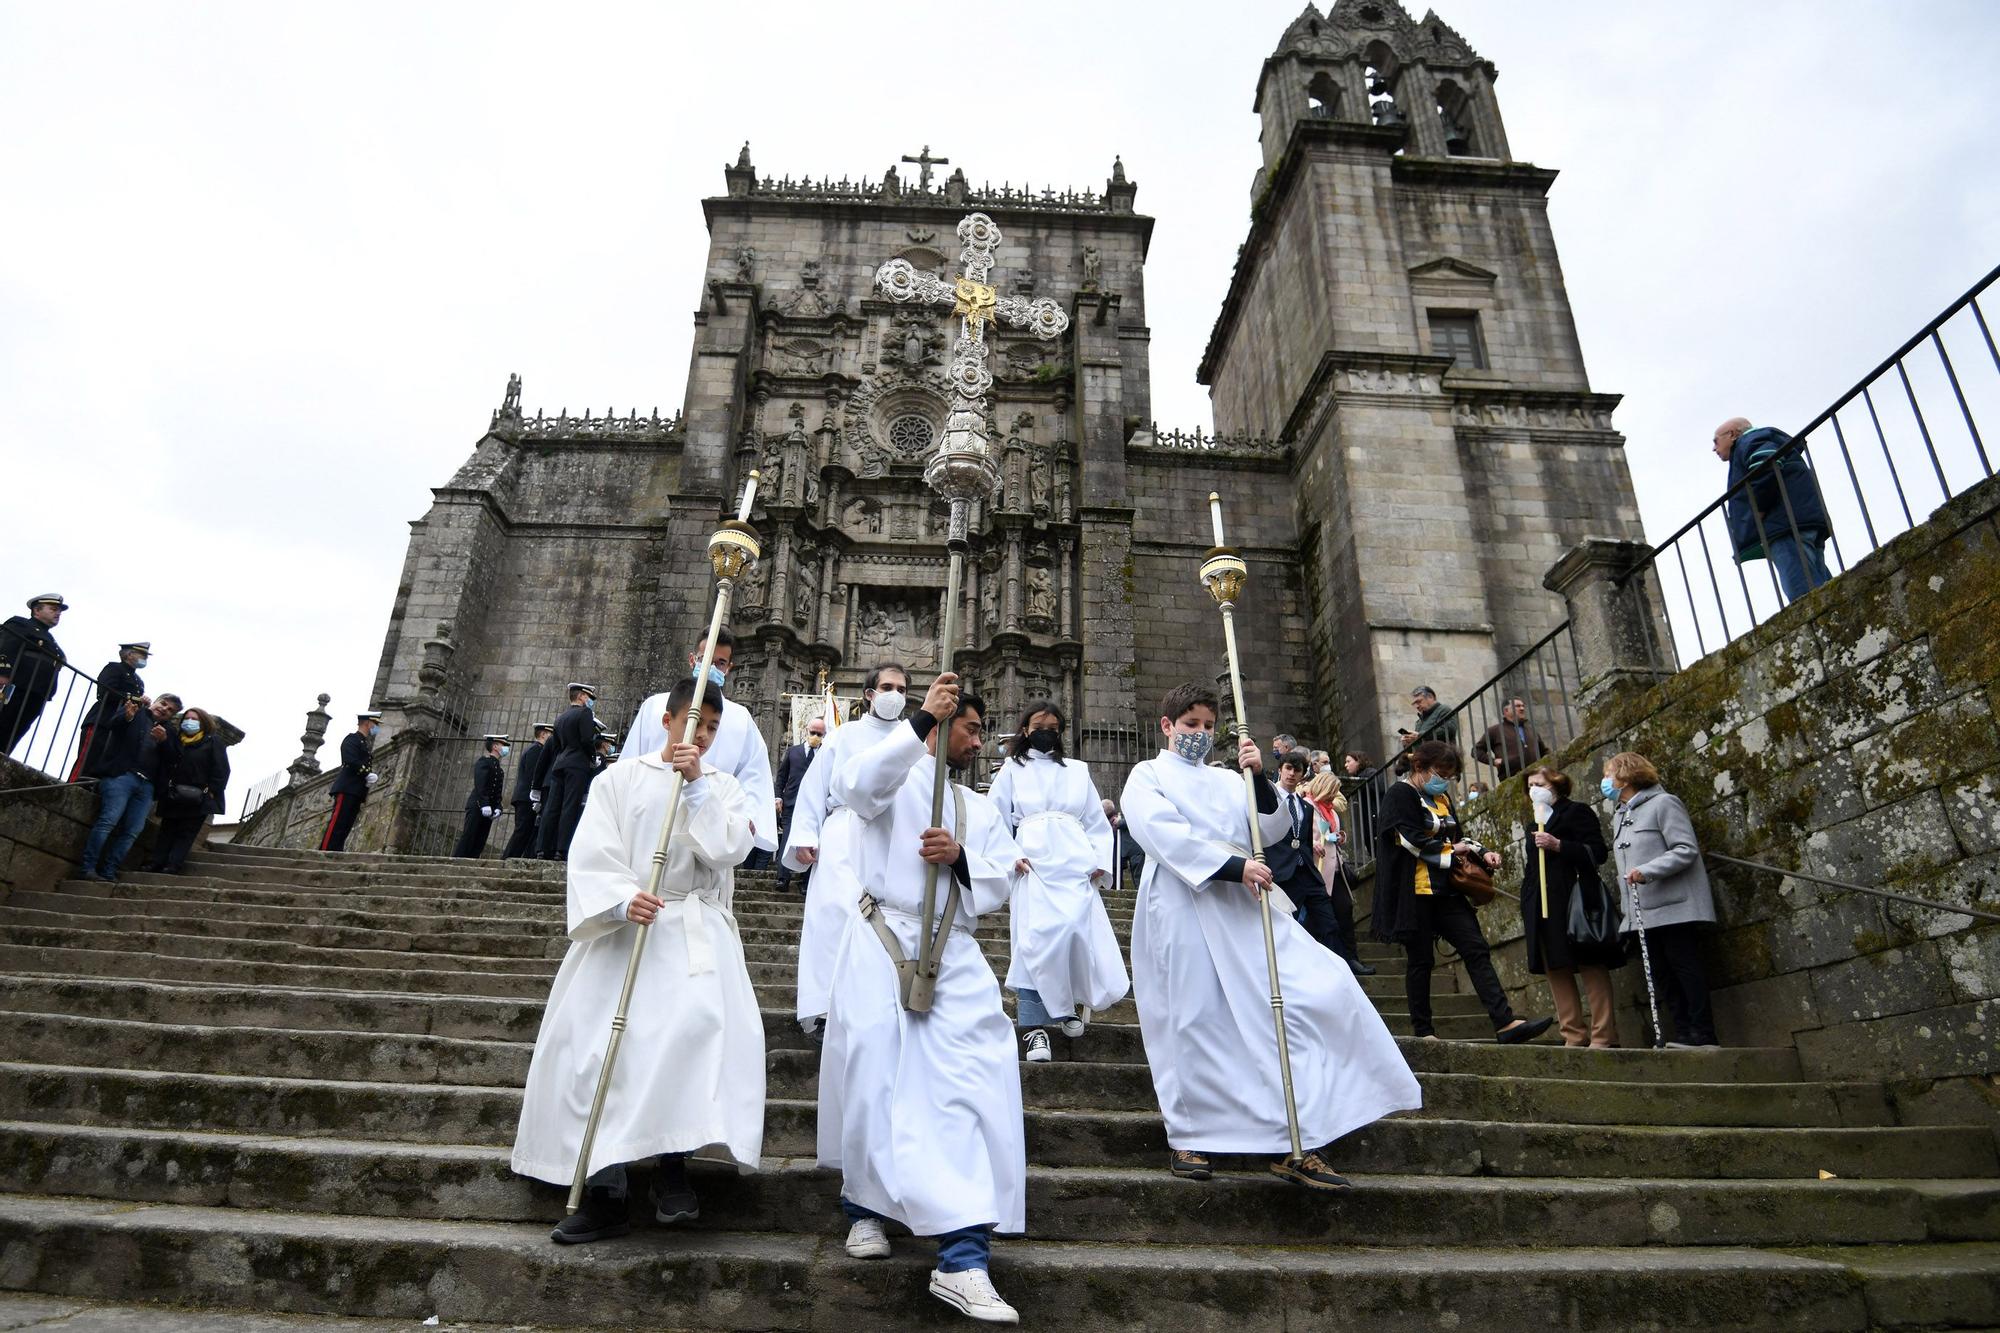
[
  {"x": 966, "y": 1248},
  {"x": 1800, "y": 562},
  {"x": 123, "y": 803},
  {"x": 1030, "y": 1012}
]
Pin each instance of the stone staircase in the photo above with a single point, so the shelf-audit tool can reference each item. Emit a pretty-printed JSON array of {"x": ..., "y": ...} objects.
[{"x": 288, "y": 1082}]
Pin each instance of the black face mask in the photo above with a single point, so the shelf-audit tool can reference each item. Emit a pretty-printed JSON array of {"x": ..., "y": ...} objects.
[{"x": 1044, "y": 741}]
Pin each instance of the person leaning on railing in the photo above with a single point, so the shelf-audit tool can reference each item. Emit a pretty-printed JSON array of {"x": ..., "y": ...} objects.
[
  {"x": 1570, "y": 843},
  {"x": 197, "y": 774},
  {"x": 1778, "y": 513},
  {"x": 1415, "y": 903},
  {"x": 1667, "y": 894}
]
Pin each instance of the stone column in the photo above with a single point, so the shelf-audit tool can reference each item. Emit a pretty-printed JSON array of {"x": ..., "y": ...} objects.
[
  {"x": 307, "y": 764},
  {"x": 1606, "y": 584}
]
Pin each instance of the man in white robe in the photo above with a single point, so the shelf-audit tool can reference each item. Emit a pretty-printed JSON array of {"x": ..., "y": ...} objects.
[
  {"x": 921, "y": 1112},
  {"x": 1199, "y": 973},
  {"x": 690, "y": 1073},
  {"x": 822, "y": 840},
  {"x": 1065, "y": 959},
  {"x": 739, "y": 748}
]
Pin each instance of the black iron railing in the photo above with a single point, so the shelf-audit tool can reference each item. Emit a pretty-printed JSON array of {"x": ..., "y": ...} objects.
[{"x": 49, "y": 739}]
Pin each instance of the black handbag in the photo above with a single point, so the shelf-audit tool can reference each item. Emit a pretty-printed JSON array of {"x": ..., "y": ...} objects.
[
  {"x": 1595, "y": 914},
  {"x": 181, "y": 794}
]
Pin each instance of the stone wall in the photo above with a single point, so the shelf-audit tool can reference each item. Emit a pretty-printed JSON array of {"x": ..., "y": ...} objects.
[
  {"x": 42, "y": 832},
  {"x": 1852, "y": 736}
]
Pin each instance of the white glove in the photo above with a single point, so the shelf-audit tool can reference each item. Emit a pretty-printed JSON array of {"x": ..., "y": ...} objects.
[
  {"x": 489, "y": 811},
  {"x": 372, "y": 778},
  {"x": 535, "y": 798},
  {"x": 536, "y": 806}
]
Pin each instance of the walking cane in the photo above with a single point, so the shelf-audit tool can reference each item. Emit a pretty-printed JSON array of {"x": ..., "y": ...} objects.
[
  {"x": 1646, "y": 966},
  {"x": 732, "y": 549},
  {"x": 1223, "y": 573}
]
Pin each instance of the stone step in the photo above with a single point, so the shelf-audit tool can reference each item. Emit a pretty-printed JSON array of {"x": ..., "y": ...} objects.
[
  {"x": 238, "y": 854},
  {"x": 416, "y": 1181},
  {"x": 48, "y": 1039},
  {"x": 440, "y": 1113},
  {"x": 496, "y": 1019},
  {"x": 388, "y": 883},
  {"x": 386, "y": 1267},
  {"x": 181, "y": 890}
]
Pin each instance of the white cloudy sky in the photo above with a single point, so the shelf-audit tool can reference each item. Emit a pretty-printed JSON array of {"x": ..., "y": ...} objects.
[{"x": 264, "y": 269}]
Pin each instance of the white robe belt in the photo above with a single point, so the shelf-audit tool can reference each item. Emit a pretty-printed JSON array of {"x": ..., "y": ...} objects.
[{"x": 701, "y": 953}]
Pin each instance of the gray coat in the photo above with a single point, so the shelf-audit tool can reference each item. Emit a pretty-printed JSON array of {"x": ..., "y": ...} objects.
[{"x": 1653, "y": 834}]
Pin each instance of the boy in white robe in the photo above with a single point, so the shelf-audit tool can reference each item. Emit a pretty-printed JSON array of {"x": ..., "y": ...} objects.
[
  {"x": 1199, "y": 973},
  {"x": 921, "y": 1112},
  {"x": 822, "y": 840},
  {"x": 739, "y": 748},
  {"x": 690, "y": 1071},
  {"x": 1065, "y": 960}
]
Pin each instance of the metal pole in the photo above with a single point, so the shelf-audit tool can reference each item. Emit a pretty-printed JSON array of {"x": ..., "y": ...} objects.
[
  {"x": 1224, "y": 573},
  {"x": 732, "y": 549},
  {"x": 930, "y": 951}
]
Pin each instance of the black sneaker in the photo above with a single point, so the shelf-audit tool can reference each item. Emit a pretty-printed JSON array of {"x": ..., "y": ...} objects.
[
  {"x": 1310, "y": 1171},
  {"x": 1189, "y": 1165},
  {"x": 1521, "y": 1032},
  {"x": 670, "y": 1206},
  {"x": 601, "y": 1217},
  {"x": 1363, "y": 969}
]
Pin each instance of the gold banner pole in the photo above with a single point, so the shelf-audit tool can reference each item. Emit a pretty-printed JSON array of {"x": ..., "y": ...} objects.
[
  {"x": 731, "y": 550},
  {"x": 1223, "y": 573}
]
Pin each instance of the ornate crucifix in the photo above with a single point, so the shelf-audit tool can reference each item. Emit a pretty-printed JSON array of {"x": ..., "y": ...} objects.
[
  {"x": 925, "y": 162},
  {"x": 961, "y": 470}
]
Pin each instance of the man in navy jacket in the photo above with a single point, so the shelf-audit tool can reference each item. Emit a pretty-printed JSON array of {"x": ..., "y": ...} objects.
[{"x": 1774, "y": 507}]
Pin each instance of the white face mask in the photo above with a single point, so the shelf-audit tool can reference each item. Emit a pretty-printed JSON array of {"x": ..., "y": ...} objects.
[
  {"x": 887, "y": 704},
  {"x": 1542, "y": 796}
]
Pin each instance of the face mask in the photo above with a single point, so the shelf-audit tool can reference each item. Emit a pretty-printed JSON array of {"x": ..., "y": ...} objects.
[
  {"x": 189, "y": 726},
  {"x": 1043, "y": 741},
  {"x": 1541, "y": 796},
  {"x": 139, "y": 662},
  {"x": 1609, "y": 788},
  {"x": 590, "y": 703},
  {"x": 1436, "y": 786},
  {"x": 504, "y": 750},
  {"x": 716, "y": 675},
  {"x": 1194, "y": 746},
  {"x": 887, "y": 705},
  {"x": 812, "y": 741}
]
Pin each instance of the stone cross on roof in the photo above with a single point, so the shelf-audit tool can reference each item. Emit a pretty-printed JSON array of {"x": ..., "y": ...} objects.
[{"x": 925, "y": 162}]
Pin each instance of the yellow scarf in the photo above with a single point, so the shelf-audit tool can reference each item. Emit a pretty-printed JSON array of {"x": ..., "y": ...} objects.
[{"x": 190, "y": 740}]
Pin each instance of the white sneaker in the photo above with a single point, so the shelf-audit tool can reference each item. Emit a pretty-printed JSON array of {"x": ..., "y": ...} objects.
[
  {"x": 971, "y": 1292},
  {"x": 1073, "y": 1027},
  {"x": 1038, "y": 1049},
  {"x": 867, "y": 1239}
]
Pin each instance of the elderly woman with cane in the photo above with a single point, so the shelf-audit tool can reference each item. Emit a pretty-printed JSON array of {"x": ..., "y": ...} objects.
[{"x": 1667, "y": 895}]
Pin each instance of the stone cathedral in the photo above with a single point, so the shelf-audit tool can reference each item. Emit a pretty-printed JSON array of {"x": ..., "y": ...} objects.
[{"x": 1404, "y": 433}]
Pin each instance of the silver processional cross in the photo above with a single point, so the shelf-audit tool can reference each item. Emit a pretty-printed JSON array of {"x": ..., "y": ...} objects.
[{"x": 961, "y": 471}]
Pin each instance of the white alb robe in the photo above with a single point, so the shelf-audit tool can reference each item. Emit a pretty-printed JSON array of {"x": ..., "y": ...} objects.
[
  {"x": 690, "y": 1071},
  {"x": 1198, "y": 970},
  {"x": 738, "y": 750},
  {"x": 921, "y": 1113},
  {"x": 1063, "y": 946},
  {"x": 822, "y": 820}
]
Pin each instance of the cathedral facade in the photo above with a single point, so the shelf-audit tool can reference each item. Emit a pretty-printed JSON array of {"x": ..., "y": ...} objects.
[{"x": 1404, "y": 432}]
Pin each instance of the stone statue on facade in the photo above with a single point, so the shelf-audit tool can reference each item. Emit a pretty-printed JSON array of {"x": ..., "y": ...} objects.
[
  {"x": 746, "y": 264},
  {"x": 1093, "y": 268},
  {"x": 1041, "y": 594}
]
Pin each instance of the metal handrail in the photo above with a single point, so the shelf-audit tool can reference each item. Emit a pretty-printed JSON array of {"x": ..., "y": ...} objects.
[{"x": 1857, "y": 888}]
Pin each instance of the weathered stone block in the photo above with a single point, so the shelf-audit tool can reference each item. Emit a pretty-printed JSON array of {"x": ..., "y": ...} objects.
[
  {"x": 1907, "y": 838},
  {"x": 1973, "y": 806},
  {"x": 1951, "y": 1040},
  {"x": 1876, "y": 985},
  {"x": 1952, "y": 739},
  {"x": 1763, "y": 1013},
  {"x": 1830, "y": 929}
]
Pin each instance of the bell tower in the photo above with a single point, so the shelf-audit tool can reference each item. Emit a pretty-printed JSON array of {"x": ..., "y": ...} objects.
[{"x": 1398, "y": 319}]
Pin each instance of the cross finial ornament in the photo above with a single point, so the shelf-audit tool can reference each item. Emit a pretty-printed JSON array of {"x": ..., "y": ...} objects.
[
  {"x": 925, "y": 162},
  {"x": 963, "y": 461}
]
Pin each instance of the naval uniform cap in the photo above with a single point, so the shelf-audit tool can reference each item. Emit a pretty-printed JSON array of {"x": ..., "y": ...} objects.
[
  {"x": 55, "y": 597},
  {"x": 367, "y": 717},
  {"x": 496, "y": 738},
  {"x": 576, "y": 685},
  {"x": 128, "y": 647},
  {"x": 545, "y": 726}
]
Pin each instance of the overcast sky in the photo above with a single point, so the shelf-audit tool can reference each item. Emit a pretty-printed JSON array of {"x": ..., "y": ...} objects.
[{"x": 264, "y": 269}]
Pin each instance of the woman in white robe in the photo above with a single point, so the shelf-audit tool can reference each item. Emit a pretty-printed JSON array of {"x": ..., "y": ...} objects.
[
  {"x": 921, "y": 1112},
  {"x": 690, "y": 1073},
  {"x": 1065, "y": 958},
  {"x": 1198, "y": 970}
]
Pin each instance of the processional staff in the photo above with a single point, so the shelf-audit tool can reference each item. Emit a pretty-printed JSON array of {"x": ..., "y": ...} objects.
[
  {"x": 732, "y": 549},
  {"x": 1224, "y": 573}
]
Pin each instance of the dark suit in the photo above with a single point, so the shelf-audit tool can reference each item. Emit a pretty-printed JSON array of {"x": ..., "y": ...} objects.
[
  {"x": 31, "y": 660},
  {"x": 115, "y": 684},
  {"x": 791, "y": 772},
  {"x": 563, "y": 777},
  {"x": 349, "y": 790},
  {"x": 522, "y": 843},
  {"x": 489, "y": 785},
  {"x": 1291, "y": 862}
]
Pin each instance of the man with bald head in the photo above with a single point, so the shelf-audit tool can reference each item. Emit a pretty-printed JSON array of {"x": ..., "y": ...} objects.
[{"x": 1774, "y": 508}]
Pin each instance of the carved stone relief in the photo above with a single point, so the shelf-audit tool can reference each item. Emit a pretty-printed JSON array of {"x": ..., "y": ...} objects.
[{"x": 900, "y": 623}]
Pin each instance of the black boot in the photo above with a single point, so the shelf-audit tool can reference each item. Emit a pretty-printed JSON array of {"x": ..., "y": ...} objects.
[
  {"x": 602, "y": 1216},
  {"x": 673, "y": 1196}
]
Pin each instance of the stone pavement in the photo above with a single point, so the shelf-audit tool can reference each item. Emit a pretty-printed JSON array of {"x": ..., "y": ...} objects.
[{"x": 286, "y": 1083}]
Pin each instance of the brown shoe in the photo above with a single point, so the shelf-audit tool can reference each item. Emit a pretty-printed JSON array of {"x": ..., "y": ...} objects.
[
  {"x": 1310, "y": 1171},
  {"x": 1189, "y": 1165}
]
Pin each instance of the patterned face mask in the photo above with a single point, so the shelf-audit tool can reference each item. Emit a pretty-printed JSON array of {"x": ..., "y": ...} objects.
[{"x": 1194, "y": 746}]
